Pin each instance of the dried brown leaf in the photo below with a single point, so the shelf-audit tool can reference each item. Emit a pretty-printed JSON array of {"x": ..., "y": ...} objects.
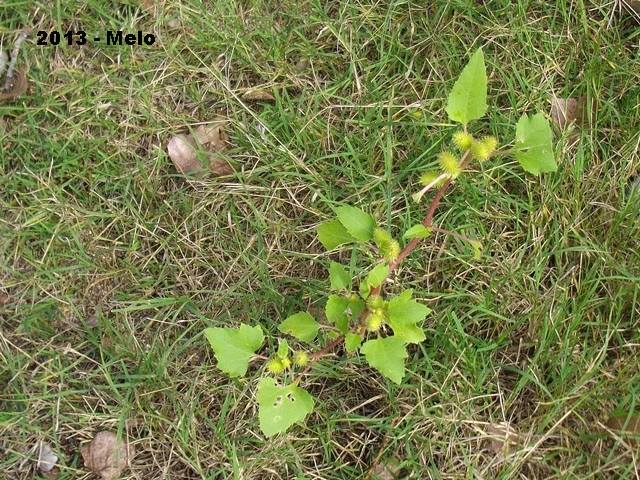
[
  {"x": 106, "y": 455},
  {"x": 219, "y": 166},
  {"x": 182, "y": 152},
  {"x": 47, "y": 458},
  {"x": 173, "y": 23},
  {"x": 565, "y": 111},
  {"x": 18, "y": 86},
  {"x": 388, "y": 469},
  {"x": 4, "y": 299},
  {"x": 212, "y": 136},
  {"x": 258, "y": 95},
  {"x": 502, "y": 436}
]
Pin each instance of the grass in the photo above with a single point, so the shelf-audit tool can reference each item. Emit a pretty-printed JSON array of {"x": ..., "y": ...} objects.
[{"x": 112, "y": 263}]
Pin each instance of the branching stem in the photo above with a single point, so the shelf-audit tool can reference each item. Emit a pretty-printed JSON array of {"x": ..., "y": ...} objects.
[{"x": 406, "y": 251}]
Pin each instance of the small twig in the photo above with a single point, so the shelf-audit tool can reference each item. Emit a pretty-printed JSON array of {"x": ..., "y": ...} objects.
[{"x": 8, "y": 82}]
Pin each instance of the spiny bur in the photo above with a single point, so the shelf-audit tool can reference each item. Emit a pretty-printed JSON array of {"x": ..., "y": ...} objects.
[
  {"x": 381, "y": 237},
  {"x": 375, "y": 302},
  {"x": 374, "y": 320},
  {"x": 275, "y": 366},
  {"x": 483, "y": 149},
  {"x": 392, "y": 250},
  {"x": 300, "y": 359},
  {"x": 449, "y": 164},
  {"x": 462, "y": 140}
]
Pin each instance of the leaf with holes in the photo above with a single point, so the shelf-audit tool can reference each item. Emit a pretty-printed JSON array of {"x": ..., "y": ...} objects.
[
  {"x": 468, "y": 98},
  {"x": 534, "y": 148},
  {"x": 234, "y": 347},
  {"x": 387, "y": 356},
  {"x": 404, "y": 314},
  {"x": 359, "y": 224},
  {"x": 281, "y": 407},
  {"x": 301, "y": 325}
]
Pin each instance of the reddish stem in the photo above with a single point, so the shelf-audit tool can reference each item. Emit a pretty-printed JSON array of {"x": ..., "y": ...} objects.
[{"x": 406, "y": 251}]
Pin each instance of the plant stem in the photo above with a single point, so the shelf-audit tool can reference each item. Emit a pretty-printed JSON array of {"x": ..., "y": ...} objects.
[
  {"x": 406, "y": 251},
  {"x": 428, "y": 219}
]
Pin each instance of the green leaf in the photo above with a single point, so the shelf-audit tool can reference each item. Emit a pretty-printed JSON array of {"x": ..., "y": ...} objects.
[
  {"x": 336, "y": 312},
  {"x": 301, "y": 325},
  {"x": 417, "y": 231},
  {"x": 283, "y": 349},
  {"x": 387, "y": 356},
  {"x": 534, "y": 146},
  {"x": 468, "y": 98},
  {"x": 404, "y": 313},
  {"x": 281, "y": 407},
  {"x": 364, "y": 289},
  {"x": 332, "y": 234},
  {"x": 377, "y": 275},
  {"x": 338, "y": 276},
  {"x": 356, "y": 306},
  {"x": 339, "y": 310},
  {"x": 359, "y": 224},
  {"x": 234, "y": 347},
  {"x": 352, "y": 342}
]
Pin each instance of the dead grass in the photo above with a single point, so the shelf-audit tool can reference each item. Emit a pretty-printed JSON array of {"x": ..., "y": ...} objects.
[{"x": 112, "y": 263}]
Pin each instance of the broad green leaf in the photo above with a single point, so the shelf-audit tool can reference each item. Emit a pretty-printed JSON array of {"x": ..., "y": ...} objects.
[
  {"x": 404, "y": 314},
  {"x": 468, "y": 98},
  {"x": 387, "y": 356},
  {"x": 301, "y": 325},
  {"x": 332, "y": 234},
  {"x": 417, "y": 231},
  {"x": 534, "y": 146},
  {"x": 359, "y": 224},
  {"x": 377, "y": 275},
  {"x": 283, "y": 349},
  {"x": 356, "y": 306},
  {"x": 336, "y": 312},
  {"x": 281, "y": 407},
  {"x": 352, "y": 342},
  {"x": 364, "y": 289},
  {"x": 338, "y": 276},
  {"x": 340, "y": 309},
  {"x": 234, "y": 347}
]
